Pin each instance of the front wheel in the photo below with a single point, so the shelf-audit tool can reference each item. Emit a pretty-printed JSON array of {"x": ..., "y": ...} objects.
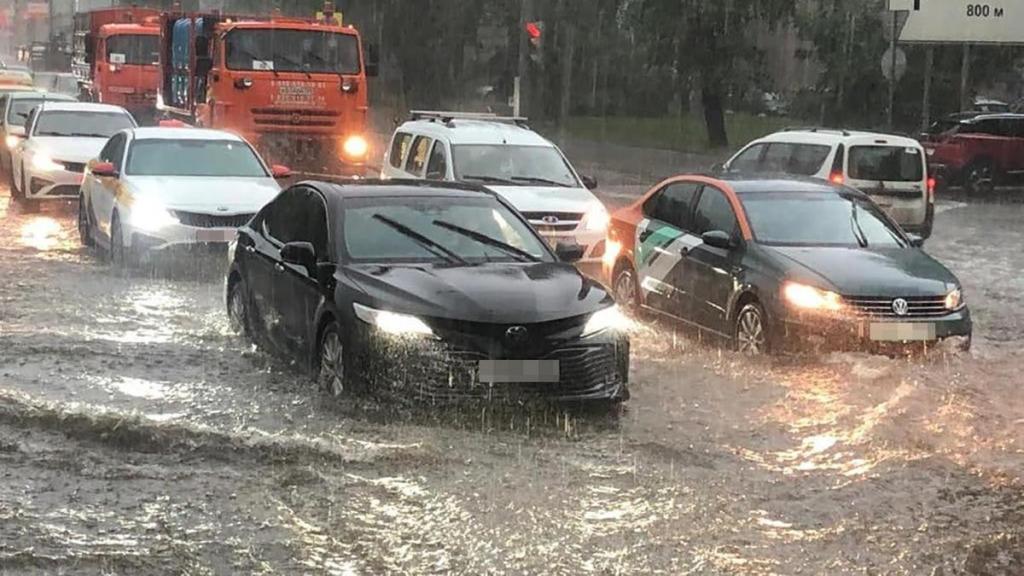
[
  {"x": 238, "y": 309},
  {"x": 119, "y": 255},
  {"x": 16, "y": 194},
  {"x": 331, "y": 370},
  {"x": 750, "y": 332},
  {"x": 84, "y": 226},
  {"x": 627, "y": 291}
]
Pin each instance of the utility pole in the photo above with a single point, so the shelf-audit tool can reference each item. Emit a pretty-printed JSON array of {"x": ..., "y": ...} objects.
[
  {"x": 892, "y": 77},
  {"x": 521, "y": 96},
  {"x": 965, "y": 80},
  {"x": 926, "y": 100}
]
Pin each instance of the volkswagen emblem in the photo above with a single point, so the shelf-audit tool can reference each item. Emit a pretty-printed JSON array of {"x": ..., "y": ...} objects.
[
  {"x": 550, "y": 220},
  {"x": 517, "y": 335},
  {"x": 901, "y": 307}
]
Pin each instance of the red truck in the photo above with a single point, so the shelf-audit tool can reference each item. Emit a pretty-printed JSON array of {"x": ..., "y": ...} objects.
[
  {"x": 116, "y": 58},
  {"x": 294, "y": 87}
]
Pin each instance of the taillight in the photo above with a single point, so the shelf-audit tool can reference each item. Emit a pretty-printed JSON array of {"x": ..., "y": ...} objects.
[
  {"x": 836, "y": 178},
  {"x": 931, "y": 188}
]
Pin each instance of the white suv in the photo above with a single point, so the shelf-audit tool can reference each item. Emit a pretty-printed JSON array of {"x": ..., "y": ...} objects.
[
  {"x": 513, "y": 161},
  {"x": 893, "y": 170}
]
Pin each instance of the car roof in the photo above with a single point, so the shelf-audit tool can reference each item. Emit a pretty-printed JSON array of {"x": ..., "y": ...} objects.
[
  {"x": 169, "y": 133},
  {"x": 476, "y": 131},
  {"x": 36, "y": 95},
  {"x": 82, "y": 107},
  {"x": 993, "y": 116},
  {"x": 402, "y": 188},
  {"x": 760, "y": 183},
  {"x": 830, "y": 136}
]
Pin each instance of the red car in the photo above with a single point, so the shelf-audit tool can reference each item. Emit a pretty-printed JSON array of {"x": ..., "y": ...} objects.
[{"x": 978, "y": 153}]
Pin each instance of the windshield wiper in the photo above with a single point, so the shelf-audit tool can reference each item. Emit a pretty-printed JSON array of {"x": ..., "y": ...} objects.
[
  {"x": 422, "y": 240},
  {"x": 862, "y": 240},
  {"x": 540, "y": 181},
  {"x": 89, "y": 135},
  {"x": 298, "y": 64},
  {"x": 491, "y": 179},
  {"x": 485, "y": 239}
]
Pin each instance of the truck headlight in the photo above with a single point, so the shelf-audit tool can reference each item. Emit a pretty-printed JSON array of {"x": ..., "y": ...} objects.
[
  {"x": 43, "y": 162},
  {"x": 392, "y": 322},
  {"x": 811, "y": 298},
  {"x": 610, "y": 318},
  {"x": 151, "y": 216},
  {"x": 355, "y": 147}
]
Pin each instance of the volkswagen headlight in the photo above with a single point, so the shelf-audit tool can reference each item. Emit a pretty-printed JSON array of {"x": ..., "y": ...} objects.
[
  {"x": 43, "y": 162},
  {"x": 610, "y": 318},
  {"x": 597, "y": 219},
  {"x": 150, "y": 215},
  {"x": 392, "y": 322},
  {"x": 955, "y": 300},
  {"x": 355, "y": 147},
  {"x": 811, "y": 298}
]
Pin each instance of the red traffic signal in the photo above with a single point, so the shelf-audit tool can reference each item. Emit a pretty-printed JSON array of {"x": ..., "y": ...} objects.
[{"x": 535, "y": 29}]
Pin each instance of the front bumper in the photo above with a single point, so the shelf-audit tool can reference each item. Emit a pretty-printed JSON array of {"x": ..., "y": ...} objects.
[
  {"x": 590, "y": 369},
  {"x": 53, "y": 184},
  {"x": 178, "y": 238},
  {"x": 801, "y": 332}
]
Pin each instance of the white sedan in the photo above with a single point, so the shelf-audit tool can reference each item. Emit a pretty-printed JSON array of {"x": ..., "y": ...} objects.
[
  {"x": 61, "y": 137},
  {"x": 158, "y": 190}
]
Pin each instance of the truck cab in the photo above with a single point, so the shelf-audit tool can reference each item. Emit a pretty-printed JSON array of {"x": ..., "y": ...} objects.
[{"x": 295, "y": 88}]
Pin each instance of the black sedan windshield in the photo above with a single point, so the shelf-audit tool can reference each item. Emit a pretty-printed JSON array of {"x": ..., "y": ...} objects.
[
  {"x": 70, "y": 123},
  {"x": 429, "y": 229},
  {"x": 793, "y": 219},
  {"x": 215, "y": 158},
  {"x": 293, "y": 51}
]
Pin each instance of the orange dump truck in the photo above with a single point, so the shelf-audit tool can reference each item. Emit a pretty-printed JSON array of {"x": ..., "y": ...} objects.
[
  {"x": 116, "y": 58},
  {"x": 295, "y": 88}
]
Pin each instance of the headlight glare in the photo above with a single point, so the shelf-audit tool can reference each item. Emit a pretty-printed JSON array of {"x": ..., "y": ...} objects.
[
  {"x": 355, "y": 147},
  {"x": 811, "y": 298},
  {"x": 151, "y": 216},
  {"x": 955, "y": 300},
  {"x": 597, "y": 219},
  {"x": 610, "y": 318},
  {"x": 392, "y": 322},
  {"x": 12, "y": 141},
  {"x": 44, "y": 162}
]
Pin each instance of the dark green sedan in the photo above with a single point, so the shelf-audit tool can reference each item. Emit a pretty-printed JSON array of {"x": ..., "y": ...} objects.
[{"x": 773, "y": 263}]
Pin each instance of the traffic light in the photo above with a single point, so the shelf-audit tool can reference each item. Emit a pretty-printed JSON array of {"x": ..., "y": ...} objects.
[{"x": 535, "y": 30}]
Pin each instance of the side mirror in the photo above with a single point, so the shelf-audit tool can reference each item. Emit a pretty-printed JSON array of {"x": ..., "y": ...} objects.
[
  {"x": 435, "y": 176},
  {"x": 718, "y": 168},
  {"x": 372, "y": 61},
  {"x": 300, "y": 254},
  {"x": 916, "y": 240},
  {"x": 718, "y": 239},
  {"x": 105, "y": 170},
  {"x": 569, "y": 252},
  {"x": 589, "y": 181},
  {"x": 280, "y": 172}
]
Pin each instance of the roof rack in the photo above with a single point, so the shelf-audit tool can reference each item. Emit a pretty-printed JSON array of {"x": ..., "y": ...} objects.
[
  {"x": 449, "y": 118},
  {"x": 815, "y": 129}
]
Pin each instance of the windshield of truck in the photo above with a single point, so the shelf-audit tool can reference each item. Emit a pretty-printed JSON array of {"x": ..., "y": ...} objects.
[
  {"x": 293, "y": 51},
  {"x": 208, "y": 158},
  {"x": 133, "y": 49},
  {"x": 73, "y": 123},
  {"x": 513, "y": 165},
  {"x": 886, "y": 164}
]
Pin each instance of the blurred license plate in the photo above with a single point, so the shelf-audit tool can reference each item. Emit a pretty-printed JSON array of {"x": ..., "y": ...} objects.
[
  {"x": 902, "y": 332},
  {"x": 515, "y": 371},
  {"x": 216, "y": 235}
]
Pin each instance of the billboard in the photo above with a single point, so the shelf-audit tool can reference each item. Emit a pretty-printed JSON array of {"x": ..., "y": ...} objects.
[{"x": 962, "y": 21}]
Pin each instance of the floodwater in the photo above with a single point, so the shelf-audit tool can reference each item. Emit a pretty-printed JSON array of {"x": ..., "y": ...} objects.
[{"x": 138, "y": 436}]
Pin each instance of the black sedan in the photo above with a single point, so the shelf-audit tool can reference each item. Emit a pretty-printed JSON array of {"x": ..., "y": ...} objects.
[
  {"x": 771, "y": 262},
  {"x": 437, "y": 291}
]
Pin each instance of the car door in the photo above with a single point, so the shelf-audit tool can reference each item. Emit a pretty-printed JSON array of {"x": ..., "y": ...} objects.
[
  {"x": 18, "y": 152},
  {"x": 662, "y": 243},
  {"x": 276, "y": 225},
  {"x": 102, "y": 191},
  {"x": 711, "y": 272},
  {"x": 298, "y": 293}
]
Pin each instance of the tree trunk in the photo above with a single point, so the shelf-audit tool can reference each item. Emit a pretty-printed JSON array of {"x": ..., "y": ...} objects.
[{"x": 714, "y": 116}]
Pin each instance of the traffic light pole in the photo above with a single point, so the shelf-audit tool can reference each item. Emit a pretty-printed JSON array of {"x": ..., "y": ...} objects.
[{"x": 522, "y": 80}]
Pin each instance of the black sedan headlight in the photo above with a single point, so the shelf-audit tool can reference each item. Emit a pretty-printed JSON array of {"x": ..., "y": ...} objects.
[
  {"x": 610, "y": 318},
  {"x": 393, "y": 323}
]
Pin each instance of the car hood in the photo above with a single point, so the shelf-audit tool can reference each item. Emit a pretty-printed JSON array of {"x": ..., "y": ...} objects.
[
  {"x": 547, "y": 198},
  {"x": 224, "y": 196},
  {"x": 79, "y": 150},
  {"x": 498, "y": 293},
  {"x": 895, "y": 272}
]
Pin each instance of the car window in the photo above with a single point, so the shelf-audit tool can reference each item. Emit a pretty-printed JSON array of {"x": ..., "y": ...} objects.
[
  {"x": 437, "y": 168},
  {"x": 749, "y": 160},
  {"x": 796, "y": 159},
  {"x": 299, "y": 215},
  {"x": 886, "y": 163},
  {"x": 714, "y": 212},
  {"x": 1013, "y": 127},
  {"x": 113, "y": 152},
  {"x": 399, "y": 149},
  {"x": 3, "y": 107},
  {"x": 673, "y": 204},
  {"x": 988, "y": 127},
  {"x": 418, "y": 156}
]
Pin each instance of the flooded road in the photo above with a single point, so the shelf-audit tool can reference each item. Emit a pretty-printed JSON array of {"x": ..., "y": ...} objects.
[{"x": 138, "y": 436}]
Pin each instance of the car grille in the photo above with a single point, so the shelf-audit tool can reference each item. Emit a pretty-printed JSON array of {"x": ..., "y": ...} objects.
[
  {"x": 294, "y": 118},
  {"x": 554, "y": 221},
  {"x": 882, "y": 307},
  {"x": 199, "y": 220},
  {"x": 78, "y": 167}
]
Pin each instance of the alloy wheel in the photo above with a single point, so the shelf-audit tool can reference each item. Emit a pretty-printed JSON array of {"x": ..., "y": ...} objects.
[
  {"x": 626, "y": 291},
  {"x": 84, "y": 231},
  {"x": 236, "y": 309},
  {"x": 750, "y": 333},
  {"x": 332, "y": 364},
  {"x": 980, "y": 179},
  {"x": 117, "y": 252}
]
